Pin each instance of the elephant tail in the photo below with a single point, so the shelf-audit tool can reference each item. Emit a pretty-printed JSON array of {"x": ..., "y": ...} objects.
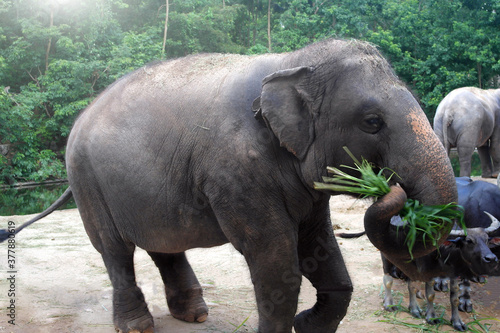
[
  {"x": 64, "y": 198},
  {"x": 447, "y": 123},
  {"x": 348, "y": 235},
  {"x": 442, "y": 120}
]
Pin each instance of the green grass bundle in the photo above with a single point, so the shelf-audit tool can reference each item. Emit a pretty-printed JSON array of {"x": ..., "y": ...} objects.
[{"x": 430, "y": 221}]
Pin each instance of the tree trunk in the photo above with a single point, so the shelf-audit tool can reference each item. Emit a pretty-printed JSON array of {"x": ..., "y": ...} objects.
[
  {"x": 479, "y": 68},
  {"x": 165, "y": 30},
  {"x": 49, "y": 45},
  {"x": 269, "y": 25}
]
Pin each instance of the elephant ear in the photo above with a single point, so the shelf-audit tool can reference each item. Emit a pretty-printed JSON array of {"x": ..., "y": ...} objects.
[{"x": 286, "y": 108}]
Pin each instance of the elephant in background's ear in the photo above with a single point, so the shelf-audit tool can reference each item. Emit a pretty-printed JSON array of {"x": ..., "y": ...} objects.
[{"x": 467, "y": 118}]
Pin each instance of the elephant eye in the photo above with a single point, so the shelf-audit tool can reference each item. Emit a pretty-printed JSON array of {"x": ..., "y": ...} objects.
[{"x": 371, "y": 124}]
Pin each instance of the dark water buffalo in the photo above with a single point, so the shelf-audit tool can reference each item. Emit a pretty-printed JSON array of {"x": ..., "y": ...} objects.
[
  {"x": 463, "y": 256},
  {"x": 210, "y": 149},
  {"x": 482, "y": 202}
]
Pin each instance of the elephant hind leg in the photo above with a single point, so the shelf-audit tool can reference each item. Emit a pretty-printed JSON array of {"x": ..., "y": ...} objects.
[
  {"x": 465, "y": 159},
  {"x": 485, "y": 158},
  {"x": 130, "y": 311},
  {"x": 183, "y": 291}
]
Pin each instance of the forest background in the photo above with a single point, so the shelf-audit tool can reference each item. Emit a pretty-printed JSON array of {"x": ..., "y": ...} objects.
[{"x": 57, "y": 55}]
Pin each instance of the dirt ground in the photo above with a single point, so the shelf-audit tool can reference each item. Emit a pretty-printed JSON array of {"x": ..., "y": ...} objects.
[{"x": 61, "y": 284}]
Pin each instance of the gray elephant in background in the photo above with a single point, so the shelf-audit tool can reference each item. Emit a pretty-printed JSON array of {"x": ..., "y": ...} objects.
[
  {"x": 467, "y": 118},
  {"x": 216, "y": 148}
]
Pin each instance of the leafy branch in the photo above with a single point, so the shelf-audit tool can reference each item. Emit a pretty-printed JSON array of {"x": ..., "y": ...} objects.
[{"x": 428, "y": 221}]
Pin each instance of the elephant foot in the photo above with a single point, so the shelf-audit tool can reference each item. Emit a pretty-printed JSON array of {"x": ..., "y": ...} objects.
[
  {"x": 187, "y": 305},
  {"x": 326, "y": 314},
  {"x": 130, "y": 312},
  {"x": 147, "y": 330},
  {"x": 304, "y": 324}
]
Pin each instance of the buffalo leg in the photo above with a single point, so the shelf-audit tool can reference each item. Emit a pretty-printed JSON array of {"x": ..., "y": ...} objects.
[
  {"x": 388, "y": 299},
  {"x": 183, "y": 291},
  {"x": 456, "y": 321},
  {"x": 430, "y": 294},
  {"x": 413, "y": 306},
  {"x": 465, "y": 304}
]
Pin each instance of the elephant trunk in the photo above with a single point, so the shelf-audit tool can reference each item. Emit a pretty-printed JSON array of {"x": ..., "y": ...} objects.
[
  {"x": 390, "y": 239},
  {"x": 424, "y": 173}
]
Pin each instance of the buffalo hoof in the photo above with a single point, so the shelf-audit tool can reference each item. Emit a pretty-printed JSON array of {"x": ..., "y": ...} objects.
[
  {"x": 188, "y": 306},
  {"x": 389, "y": 305},
  {"x": 392, "y": 308},
  {"x": 433, "y": 321},
  {"x": 459, "y": 326},
  {"x": 441, "y": 284},
  {"x": 465, "y": 305},
  {"x": 415, "y": 312}
]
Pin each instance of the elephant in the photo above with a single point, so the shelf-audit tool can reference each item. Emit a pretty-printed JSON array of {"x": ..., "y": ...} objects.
[
  {"x": 215, "y": 148},
  {"x": 467, "y": 118}
]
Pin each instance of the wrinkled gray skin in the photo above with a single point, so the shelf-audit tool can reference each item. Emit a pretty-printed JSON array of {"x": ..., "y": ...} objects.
[
  {"x": 171, "y": 157},
  {"x": 467, "y": 118}
]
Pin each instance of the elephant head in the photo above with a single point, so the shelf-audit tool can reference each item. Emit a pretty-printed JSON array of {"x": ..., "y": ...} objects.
[{"x": 349, "y": 96}]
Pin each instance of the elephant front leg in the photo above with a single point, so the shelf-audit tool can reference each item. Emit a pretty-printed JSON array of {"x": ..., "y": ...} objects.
[
  {"x": 183, "y": 291},
  {"x": 276, "y": 279},
  {"x": 321, "y": 262}
]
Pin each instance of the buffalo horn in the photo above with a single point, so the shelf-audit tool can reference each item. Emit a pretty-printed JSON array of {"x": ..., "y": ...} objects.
[
  {"x": 495, "y": 224},
  {"x": 456, "y": 233}
]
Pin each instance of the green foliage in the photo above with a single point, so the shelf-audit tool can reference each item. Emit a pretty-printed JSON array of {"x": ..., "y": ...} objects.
[
  {"x": 22, "y": 201},
  {"x": 56, "y": 56}
]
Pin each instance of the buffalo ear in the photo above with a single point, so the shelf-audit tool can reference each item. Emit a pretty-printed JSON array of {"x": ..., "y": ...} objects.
[
  {"x": 495, "y": 241},
  {"x": 286, "y": 108}
]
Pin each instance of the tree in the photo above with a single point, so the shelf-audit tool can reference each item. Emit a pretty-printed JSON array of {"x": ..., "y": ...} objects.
[
  {"x": 57, "y": 55},
  {"x": 166, "y": 27},
  {"x": 269, "y": 25}
]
